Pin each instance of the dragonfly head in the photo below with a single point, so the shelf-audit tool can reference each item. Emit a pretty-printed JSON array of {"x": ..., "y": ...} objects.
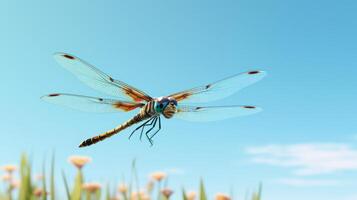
[{"x": 166, "y": 106}]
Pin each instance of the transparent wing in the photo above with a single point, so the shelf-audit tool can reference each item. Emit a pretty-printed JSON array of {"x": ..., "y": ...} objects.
[
  {"x": 220, "y": 89},
  {"x": 91, "y": 104},
  {"x": 98, "y": 80},
  {"x": 213, "y": 113}
]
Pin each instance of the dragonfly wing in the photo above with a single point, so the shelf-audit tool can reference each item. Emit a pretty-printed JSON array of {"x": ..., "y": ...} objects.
[
  {"x": 220, "y": 89},
  {"x": 91, "y": 104},
  {"x": 213, "y": 113},
  {"x": 98, "y": 80}
]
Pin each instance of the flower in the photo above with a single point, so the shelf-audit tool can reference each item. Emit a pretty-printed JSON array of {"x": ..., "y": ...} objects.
[
  {"x": 15, "y": 184},
  {"x": 191, "y": 195},
  {"x": 167, "y": 192},
  {"x": 6, "y": 177},
  {"x": 9, "y": 168},
  {"x": 122, "y": 188},
  {"x": 139, "y": 196},
  {"x": 38, "y": 192},
  {"x": 221, "y": 196},
  {"x": 158, "y": 176},
  {"x": 91, "y": 187},
  {"x": 79, "y": 161}
]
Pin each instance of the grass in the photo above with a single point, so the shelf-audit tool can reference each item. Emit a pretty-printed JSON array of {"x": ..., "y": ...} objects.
[{"x": 27, "y": 189}]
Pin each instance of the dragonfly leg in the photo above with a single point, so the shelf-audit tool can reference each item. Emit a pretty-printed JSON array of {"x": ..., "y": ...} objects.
[
  {"x": 141, "y": 126},
  {"x": 148, "y": 131},
  {"x": 157, "y": 130},
  {"x": 149, "y": 124}
]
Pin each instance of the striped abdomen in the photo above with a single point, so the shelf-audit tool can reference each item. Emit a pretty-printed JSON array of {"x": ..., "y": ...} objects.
[{"x": 145, "y": 113}]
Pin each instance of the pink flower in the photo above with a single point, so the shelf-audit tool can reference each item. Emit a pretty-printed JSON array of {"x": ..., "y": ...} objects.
[
  {"x": 79, "y": 161},
  {"x": 167, "y": 192},
  {"x": 191, "y": 195},
  {"x": 92, "y": 187},
  {"x": 122, "y": 188},
  {"x": 38, "y": 192},
  {"x": 158, "y": 176},
  {"x": 221, "y": 196},
  {"x": 9, "y": 168}
]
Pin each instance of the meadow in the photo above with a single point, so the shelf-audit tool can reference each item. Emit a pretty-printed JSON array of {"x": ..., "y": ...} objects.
[{"x": 44, "y": 187}]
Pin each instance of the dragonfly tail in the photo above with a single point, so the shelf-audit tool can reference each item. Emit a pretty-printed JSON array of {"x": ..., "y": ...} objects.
[
  {"x": 101, "y": 137},
  {"x": 112, "y": 132}
]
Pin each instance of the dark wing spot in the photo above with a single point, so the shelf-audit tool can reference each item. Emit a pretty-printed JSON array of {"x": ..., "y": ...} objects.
[
  {"x": 249, "y": 107},
  {"x": 199, "y": 108},
  {"x": 53, "y": 95},
  {"x": 100, "y": 99},
  {"x": 208, "y": 86},
  {"x": 68, "y": 56},
  {"x": 111, "y": 79},
  {"x": 253, "y": 72}
]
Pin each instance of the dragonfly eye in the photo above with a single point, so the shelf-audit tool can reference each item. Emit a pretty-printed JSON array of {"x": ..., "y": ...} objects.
[{"x": 161, "y": 105}]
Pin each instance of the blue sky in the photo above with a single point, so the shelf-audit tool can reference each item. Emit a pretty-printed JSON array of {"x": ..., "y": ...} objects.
[{"x": 308, "y": 49}]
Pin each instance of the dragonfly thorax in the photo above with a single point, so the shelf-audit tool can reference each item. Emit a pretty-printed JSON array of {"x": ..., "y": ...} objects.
[{"x": 166, "y": 106}]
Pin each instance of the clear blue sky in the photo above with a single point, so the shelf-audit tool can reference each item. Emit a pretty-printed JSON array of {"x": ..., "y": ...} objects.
[{"x": 307, "y": 47}]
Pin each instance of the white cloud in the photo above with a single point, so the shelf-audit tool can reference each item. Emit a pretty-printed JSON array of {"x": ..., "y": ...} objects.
[
  {"x": 307, "y": 159},
  {"x": 298, "y": 182}
]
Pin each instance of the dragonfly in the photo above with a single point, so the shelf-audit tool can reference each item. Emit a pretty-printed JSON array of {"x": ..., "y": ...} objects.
[{"x": 126, "y": 98}]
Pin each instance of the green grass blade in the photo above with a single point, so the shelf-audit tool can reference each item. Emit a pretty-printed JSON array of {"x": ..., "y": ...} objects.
[
  {"x": 52, "y": 184},
  {"x": 26, "y": 189},
  {"x": 22, "y": 191},
  {"x": 132, "y": 180},
  {"x": 258, "y": 194},
  {"x": 98, "y": 194},
  {"x": 203, "y": 195},
  {"x": 184, "y": 195},
  {"x": 44, "y": 186},
  {"x": 135, "y": 176},
  {"x": 260, "y": 191},
  {"x": 66, "y": 186},
  {"x": 88, "y": 195},
  {"x": 107, "y": 196},
  {"x": 77, "y": 189}
]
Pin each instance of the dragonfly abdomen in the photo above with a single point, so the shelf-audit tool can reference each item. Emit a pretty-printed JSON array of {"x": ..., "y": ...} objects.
[{"x": 145, "y": 113}]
